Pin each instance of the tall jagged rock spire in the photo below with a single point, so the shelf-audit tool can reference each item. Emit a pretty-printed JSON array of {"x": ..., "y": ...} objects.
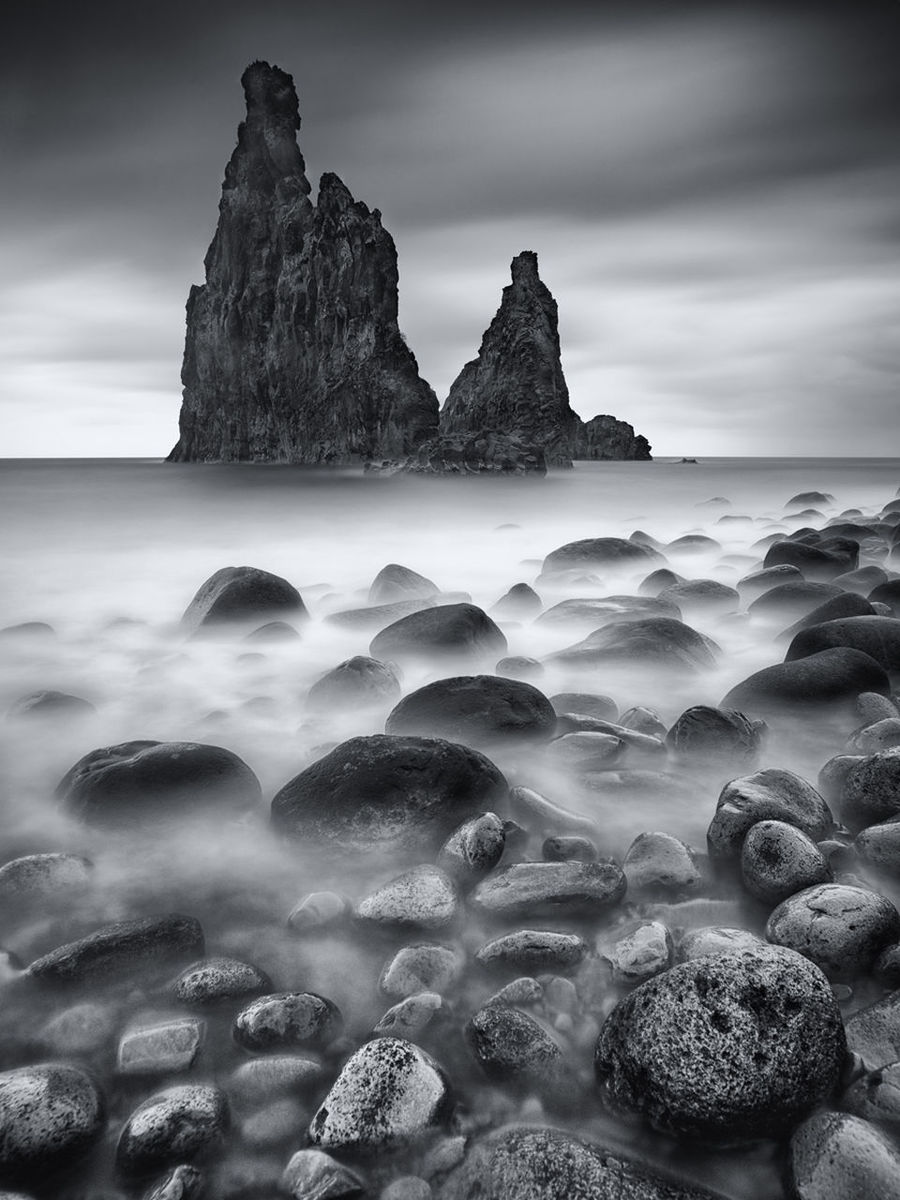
[
  {"x": 293, "y": 352},
  {"x": 516, "y": 384}
]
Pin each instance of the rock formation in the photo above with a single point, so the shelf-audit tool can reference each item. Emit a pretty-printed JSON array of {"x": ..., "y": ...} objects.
[
  {"x": 605, "y": 437},
  {"x": 293, "y": 351},
  {"x": 516, "y": 384}
]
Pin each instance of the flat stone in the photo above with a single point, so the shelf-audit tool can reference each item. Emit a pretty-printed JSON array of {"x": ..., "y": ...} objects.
[
  {"x": 212, "y": 980},
  {"x": 159, "y": 1049},
  {"x": 121, "y": 949},
  {"x": 542, "y": 888},
  {"x": 422, "y": 898},
  {"x": 533, "y": 950}
]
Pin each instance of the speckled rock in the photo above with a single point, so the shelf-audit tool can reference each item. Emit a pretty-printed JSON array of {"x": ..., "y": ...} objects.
[
  {"x": 511, "y": 1047},
  {"x": 422, "y": 968},
  {"x": 870, "y": 790},
  {"x": 819, "y": 685},
  {"x": 641, "y": 954},
  {"x": 389, "y": 1093},
  {"x": 475, "y": 709},
  {"x": 315, "y": 1175},
  {"x": 286, "y": 1019},
  {"x": 36, "y": 877},
  {"x": 174, "y": 1126},
  {"x": 121, "y": 949},
  {"x": 834, "y": 1156},
  {"x": 212, "y": 980},
  {"x": 421, "y": 898},
  {"x": 519, "y": 992},
  {"x": 658, "y": 864},
  {"x": 395, "y": 793},
  {"x": 148, "y": 782},
  {"x": 532, "y": 950},
  {"x": 541, "y": 888},
  {"x": 548, "y": 1164},
  {"x": 840, "y": 928},
  {"x": 726, "y": 1047},
  {"x": 778, "y": 860},
  {"x": 873, "y": 1032},
  {"x": 772, "y": 794},
  {"x": 181, "y": 1183},
  {"x": 160, "y": 1049},
  {"x": 473, "y": 850},
  {"x": 408, "y": 1018},
  {"x": 358, "y": 682},
  {"x": 445, "y": 631},
  {"x": 50, "y": 1115}
]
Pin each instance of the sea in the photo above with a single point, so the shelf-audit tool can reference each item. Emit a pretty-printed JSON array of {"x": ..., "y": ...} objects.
[{"x": 110, "y": 552}]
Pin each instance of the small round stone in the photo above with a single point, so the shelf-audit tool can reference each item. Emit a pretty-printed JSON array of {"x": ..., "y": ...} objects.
[
  {"x": 286, "y": 1019},
  {"x": 473, "y": 849},
  {"x": 215, "y": 979},
  {"x": 645, "y": 952},
  {"x": 568, "y": 848},
  {"x": 778, "y": 860},
  {"x": 318, "y": 910},
  {"x": 423, "y": 897},
  {"x": 410, "y": 1017},
  {"x": 533, "y": 950},
  {"x": 422, "y": 968},
  {"x": 50, "y": 1114},
  {"x": 839, "y": 927}
]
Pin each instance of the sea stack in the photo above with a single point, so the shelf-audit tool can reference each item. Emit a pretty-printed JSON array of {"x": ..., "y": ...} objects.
[
  {"x": 606, "y": 437},
  {"x": 293, "y": 352},
  {"x": 516, "y": 385}
]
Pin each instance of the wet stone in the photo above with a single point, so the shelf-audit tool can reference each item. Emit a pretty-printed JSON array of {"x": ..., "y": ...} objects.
[
  {"x": 50, "y": 1115},
  {"x": 870, "y": 790},
  {"x": 568, "y": 848},
  {"x": 880, "y": 735},
  {"x": 724, "y": 1048},
  {"x": 121, "y": 949},
  {"x": 874, "y": 1032},
  {"x": 276, "y": 1122},
  {"x": 181, "y": 1183},
  {"x": 286, "y": 1019},
  {"x": 315, "y": 1175},
  {"x": 410, "y": 1017},
  {"x": 80, "y": 1029},
  {"x": 159, "y": 1049},
  {"x": 174, "y": 1126},
  {"x": 834, "y": 1156},
  {"x": 772, "y": 794},
  {"x": 422, "y": 968},
  {"x": 216, "y": 979},
  {"x": 522, "y": 991},
  {"x": 717, "y": 939},
  {"x": 533, "y": 950},
  {"x": 318, "y": 910},
  {"x": 778, "y": 860},
  {"x": 407, "y": 1187},
  {"x": 388, "y": 1094},
  {"x": 875, "y": 1097},
  {"x": 474, "y": 849},
  {"x": 422, "y": 898},
  {"x": 359, "y": 682},
  {"x": 541, "y": 888},
  {"x": 511, "y": 1047},
  {"x": 839, "y": 927},
  {"x": 880, "y": 845},
  {"x": 658, "y": 864},
  {"x": 645, "y": 952}
]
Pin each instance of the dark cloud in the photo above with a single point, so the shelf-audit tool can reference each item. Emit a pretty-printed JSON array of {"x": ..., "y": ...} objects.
[{"x": 711, "y": 189}]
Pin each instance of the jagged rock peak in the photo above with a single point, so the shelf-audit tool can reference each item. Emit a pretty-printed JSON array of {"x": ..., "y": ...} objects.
[
  {"x": 516, "y": 385},
  {"x": 293, "y": 352}
]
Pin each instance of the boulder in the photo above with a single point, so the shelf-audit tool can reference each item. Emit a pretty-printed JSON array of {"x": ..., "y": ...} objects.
[
  {"x": 758, "y": 582},
  {"x": 421, "y": 968},
  {"x": 778, "y": 860},
  {"x": 868, "y": 788},
  {"x": 376, "y": 617},
  {"x": 174, "y": 1126},
  {"x": 610, "y": 610},
  {"x": 473, "y": 850},
  {"x": 826, "y": 560},
  {"x": 603, "y": 708},
  {"x": 770, "y": 795},
  {"x": 608, "y": 552},
  {"x": 529, "y": 951},
  {"x": 824, "y": 682},
  {"x": 242, "y": 595},
  {"x": 793, "y": 599},
  {"x": 50, "y": 1115},
  {"x": 701, "y": 595},
  {"x": 121, "y": 950},
  {"x": 834, "y": 1156},
  {"x": 550, "y": 889},
  {"x": 387, "y": 792},
  {"x": 147, "y": 782},
  {"x": 51, "y": 704},
  {"x": 212, "y": 980},
  {"x": 657, "y": 864},
  {"x": 728, "y": 1047},
  {"x": 387, "y": 1095},
  {"x": 657, "y": 642},
  {"x": 358, "y": 682},
  {"x": 520, "y": 603},
  {"x": 847, "y": 604},
  {"x": 511, "y": 1047},
  {"x": 839, "y": 927},
  {"x": 445, "y": 631},
  {"x": 476, "y": 710},
  {"x": 394, "y": 582},
  {"x": 421, "y": 898},
  {"x": 887, "y": 593},
  {"x": 285, "y": 1019},
  {"x": 705, "y": 735},
  {"x": 878, "y": 637}
]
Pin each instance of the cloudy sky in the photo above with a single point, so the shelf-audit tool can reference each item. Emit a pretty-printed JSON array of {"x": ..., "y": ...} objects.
[{"x": 712, "y": 190}]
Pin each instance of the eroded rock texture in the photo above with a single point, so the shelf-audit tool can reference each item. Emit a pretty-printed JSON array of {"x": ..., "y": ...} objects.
[
  {"x": 293, "y": 351},
  {"x": 605, "y": 437}
]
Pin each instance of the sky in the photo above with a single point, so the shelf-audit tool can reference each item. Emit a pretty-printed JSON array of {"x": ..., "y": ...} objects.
[{"x": 711, "y": 188}]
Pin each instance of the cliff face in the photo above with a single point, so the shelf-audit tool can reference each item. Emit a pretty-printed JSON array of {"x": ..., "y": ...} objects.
[
  {"x": 516, "y": 384},
  {"x": 605, "y": 437},
  {"x": 293, "y": 352}
]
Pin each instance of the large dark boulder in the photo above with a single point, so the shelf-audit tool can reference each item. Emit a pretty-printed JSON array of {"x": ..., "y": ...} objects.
[
  {"x": 793, "y": 599},
  {"x": 824, "y": 559},
  {"x": 600, "y": 552},
  {"x": 651, "y": 641},
  {"x": 711, "y": 736},
  {"x": 386, "y": 792},
  {"x": 122, "y": 949},
  {"x": 475, "y": 709},
  {"x": 770, "y": 795},
  {"x": 549, "y": 1164},
  {"x": 887, "y": 593},
  {"x": 144, "y": 782},
  {"x": 359, "y": 682},
  {"x": 827, "y": 680},
  {"x": 846, "y": 604},
  {"x": 610, "y": 610},
  {"x": 879, "y": 637},
  {"x": 241, "y": 595},
  {"x": 446, "y": 631},
  {"x": 726, "y": 1047}
]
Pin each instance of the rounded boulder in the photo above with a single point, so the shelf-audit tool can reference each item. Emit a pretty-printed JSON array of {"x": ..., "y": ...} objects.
[
  {"x": 445, "y": 631},
  {"x": 475, "y": 709},
  {"x": 50, "y": 1114}
]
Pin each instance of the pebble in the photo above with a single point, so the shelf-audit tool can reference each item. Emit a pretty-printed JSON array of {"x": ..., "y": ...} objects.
[
  {"x": 421, "y": 968},
  {"x": 318, "y": 910},
  {"x": 286, "y": 1019},
  {"x": 533, "y": 950},
  {"x": 658, "y": 864},
  {"x": 568, "y": 849},
  {"x": 212, "y": 980},
  {"x": 50, "y": 1115},
  {"x": 870, "y": 790},
  {"x": 642, "y": 954},
  {"x": 542, "y": 888},
  {"x": 315, "y": 1175},
  {"x": 275, "y": 1075},
  {"x": 873, "y": 1032},
  {"x": 43, "y": 876},
  {"x": 160, "y": 1049},
  {"x": 173, "y": 1126},
  {"x": 510, "y": 1046},
  {"x": 388, "y": 1094},
  {"x": 181, "y": 1183},
  {"x": 880, "y": 845},
  {"x": 409, "y": 1017},
  {"x": 875, "y": 1097},
  {"x": 840, "y": 928},
  {"x": 423, "y": 898},
  {"x": 524, "y": 990},
  {"x": 778, "y": 860},
  {"x": 473, "y": 850},
  {"x": 834, "y": 1156}
]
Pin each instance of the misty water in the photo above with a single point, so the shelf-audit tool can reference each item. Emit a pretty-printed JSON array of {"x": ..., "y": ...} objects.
[{"x": 109, "y": 553}]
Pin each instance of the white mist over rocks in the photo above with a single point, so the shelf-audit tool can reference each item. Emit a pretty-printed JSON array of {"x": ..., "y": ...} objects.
[{"x": 108, "y": 555}]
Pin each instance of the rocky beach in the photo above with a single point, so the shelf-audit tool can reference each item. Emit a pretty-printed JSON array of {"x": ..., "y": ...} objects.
[{"x": 380, "y": 836}]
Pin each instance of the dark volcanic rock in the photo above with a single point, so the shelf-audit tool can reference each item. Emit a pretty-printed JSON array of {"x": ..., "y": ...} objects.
[
  {"x": 387, "y": 792},
  {"x": 829, "y": 679},
  {"x": 887, "y": 593},
  {"x": 879, "y": 637},
  {"x": 516, "y": 384},
  {"x": 825, "y": 559},
  {"x": 449, "y": 630},
  {"x": 847, "y": 604},
  {"x": 49, "y": 1115},
  {"x": 395, "y": 582},
  {"x": 293, "y": 351},
  {"x": 599, "y": 552},
  {"x": 769, "y": 795},
  {"x": 476, "y": 709},
  {"x": 728, "y": 1047},
  {"x": 793, "y": 599},
  {"x": 486, "y": 452},
  {"x": 120, "y": 949},
  {"x": 240, "y": 595},
  {"x": 604, "y": 437},
  {"x": 704, "y": 734},
  {"x": 548, "y": 1164},
  {"x": 145, "y": 781},
  {"x": 840, "y": 928},
  {"x": 650, "y": 641},
  {"x": 356, "y": 683}
]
